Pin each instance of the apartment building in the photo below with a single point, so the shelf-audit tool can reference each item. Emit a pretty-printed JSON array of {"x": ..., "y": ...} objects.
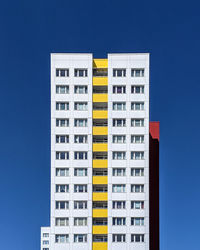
[{"x": 104, "y": 155}]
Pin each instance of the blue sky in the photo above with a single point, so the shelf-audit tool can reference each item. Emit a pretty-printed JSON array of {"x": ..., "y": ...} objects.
[{"x": 30, "y": 31}]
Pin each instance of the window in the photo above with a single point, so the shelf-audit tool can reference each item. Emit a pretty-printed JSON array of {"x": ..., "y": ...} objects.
[
  {"x": 62, "y": 222},
  {"x": 62, "y": 138},
  {"x": 100, "y": 204},
  {"x": 119, "y": 155},
  {"x": 119, "y": 139},
  {"x": 80, "y": 122},
  {"x": 119, "y": 238},
  {"x": 62, "y": 172},
  {"x": 45, "y": 242},
  {"x": 119, "y": 89},
  {"x": 137, "y": 171},
  {"x": 100, "y": 72},
  {"x": 80, "y": 155},
  {"x": 137, "y": 221},
  {"x": 80, "y": 221},
  {"x": 62, "y": 72},
  {"x": 100, "y": 188},
  {"x": 137, "y": 72},
  {"x": 62, "y": 106},
  {"x": 137, "y": 188},
  {"x": 80, "y": 89},
  {"x": 62, "y": 238},
  {"x": 119, "y": 122},
  {"x": 137, "y": 204},
  {"x": 80, "y": 238},
  {"x": 119, "y": 106},
  {"x": 137, "y": 89},
  {"x": 62, "y": 188},
  {"x": 119, "y": 205},
  {"x": 62, "y": 122},
  {"x": 62, "y": 155},
  {"x": 137, "y": 122},
  {"x": 119, "y": 72},
  {"x": 62, "y": 204},
  {"x": 80, "y": 139},
  {"x": 117, "y": 221},
  {"x": 80, "y": 172},
  {"x": 137, "y": 138},
  {"x": 45, "y": 248},
  {"x": 119, "y": 171},
  {"x": 80, "y": 106},
  {"x": 100, "y": 238},
  {"x": 137, "y": 237},
  {"x": 80, "y": 72},
  {"x": 100, "y": 221},
  {"x": 80, "y": 204},
  {"x": 137, "y": 155},
  {"x": 45, "y": 235},
  {"x": 137, "y": 106},
  {"x": 62, "y": 89},
  {"x": 118, "y": 188},
  {"x": 80, "y": 188}
]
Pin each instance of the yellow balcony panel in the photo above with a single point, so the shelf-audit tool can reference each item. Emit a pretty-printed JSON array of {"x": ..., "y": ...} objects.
[
  {"x": 100, "y": 97},
  {"x": 98, "y": 213},
  {"x": 100, "y": 229},
  {"x": 100, "y": 81},
  {"x": 100, "y": 163},
  {"x": 100, "y": 147},
  {"x": 100, "y": 114},
  {"x": 100, "y": 130},
  {"x": 100, "y": 63},
  {"x": 99, "y": 196},
  {"x": 99, "y": 245},
  {"x": 100, "y": 179}
]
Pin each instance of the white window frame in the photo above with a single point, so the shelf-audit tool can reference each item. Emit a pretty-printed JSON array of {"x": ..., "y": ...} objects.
[
  {"x": 137, "y": 188},
  {"x": 119, "y": 106},
  {"x": 62, "y": 121},
  {"x": 60, "y": 71},
  {"x": 118, "y": 188},
  {"x": 62, "y": 188},
  {"x": 77, "y": 155},
  {"x": 134, "y": 139},
  {"x": 61, "y": 238},
  {"x": 82, "y": 236},
  {"x": 62, "y": 170},
  {"x": 61, "y": 221},
  {"x": 119, "y": 155},
  {"x": 134, "y": 89},
  {"x": 137, "y": 72},
  {"x": 81, "y": 72},
  {"x": 137, "y": 122},
  {"x": 77, "y": 89},
  {"x": 78, "y": 137},
  {"x": 82, "y": 120},
  {"x": 137, "y": 221},
  {"x": 59, "y": 106},
  {"x": 137, "y": 155},
  {"x": 119, "y": 238},
  {"x": 141, "y": 236},
  {"x": 60, "y": 87},
  {"x": 137, "y": 172},
  {"x": 60, "y": 154},
  {"x": 77, "y": 205},
  {"x": 80, "y": 221},
  {"x": 58, "y": 205},
  {"x": 137, "y": 106},
  {"x": 119, "y": 172},
  {"x": 117, "y": 122},
  {"x": 77, "y": 172},
  {"x": 119, "y": 221},
  {"x": 84, "y": 106},
  {"x": 78, "y": 186},
  {"x": 122, "y": 87},
  {"x": 119, "y": 72},
  {"x": 119, "y": 139},
  {"x": 62, "y": 139}
]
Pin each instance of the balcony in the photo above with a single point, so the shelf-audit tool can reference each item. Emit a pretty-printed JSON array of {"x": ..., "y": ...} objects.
[
  {"x": 100, "y": 72},
  {"x": 100, "y": 63},
  {"x": 100, "y": 81},
  {"x": 100, "y": 172},
  {"x": 100, "y": 246},
  {"x": 99, "y": 213},
  {"x": 100, "y": 97},
  {"x": 100, "y": 130},
  {"x": 100, "y": 147},
  {"x": 99, "y": 196},
  {"x": 100, "y": 229},
  {"x": 100, "y": 89},
  {"x": 100, "y": 163},
  {"x": 100, "y": 180},
  {"x": 100, "y": 114}
]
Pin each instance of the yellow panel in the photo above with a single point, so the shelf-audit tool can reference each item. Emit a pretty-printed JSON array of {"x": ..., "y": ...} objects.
[
  {"x": 100, "y": 213},
  {"x": 99, "y": 245},
  {"x": 100, "y": 147},
  {"x": 100, "y": 97},
  {"x": 99, "y": 81},
  {"x": 100, "y": 179},
  {"x": 100, "y": 163},
  {"x": 100, "y": 63},
  {"x": 100, "y": 196},
  {"x": 100, "y": 130},
  {"x": 100, "y": 229},
  {"x": 100, "y": 114}
]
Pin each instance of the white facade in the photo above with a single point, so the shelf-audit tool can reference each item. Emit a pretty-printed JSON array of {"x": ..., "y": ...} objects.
[{"x": 139, "y": 150}]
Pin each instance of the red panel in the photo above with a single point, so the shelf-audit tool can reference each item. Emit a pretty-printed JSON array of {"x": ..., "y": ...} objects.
[{"x": 154, "y": 129}]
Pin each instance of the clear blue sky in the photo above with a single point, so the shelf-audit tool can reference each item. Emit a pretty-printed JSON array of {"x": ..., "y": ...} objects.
[{"x": 30, "y": 31}]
